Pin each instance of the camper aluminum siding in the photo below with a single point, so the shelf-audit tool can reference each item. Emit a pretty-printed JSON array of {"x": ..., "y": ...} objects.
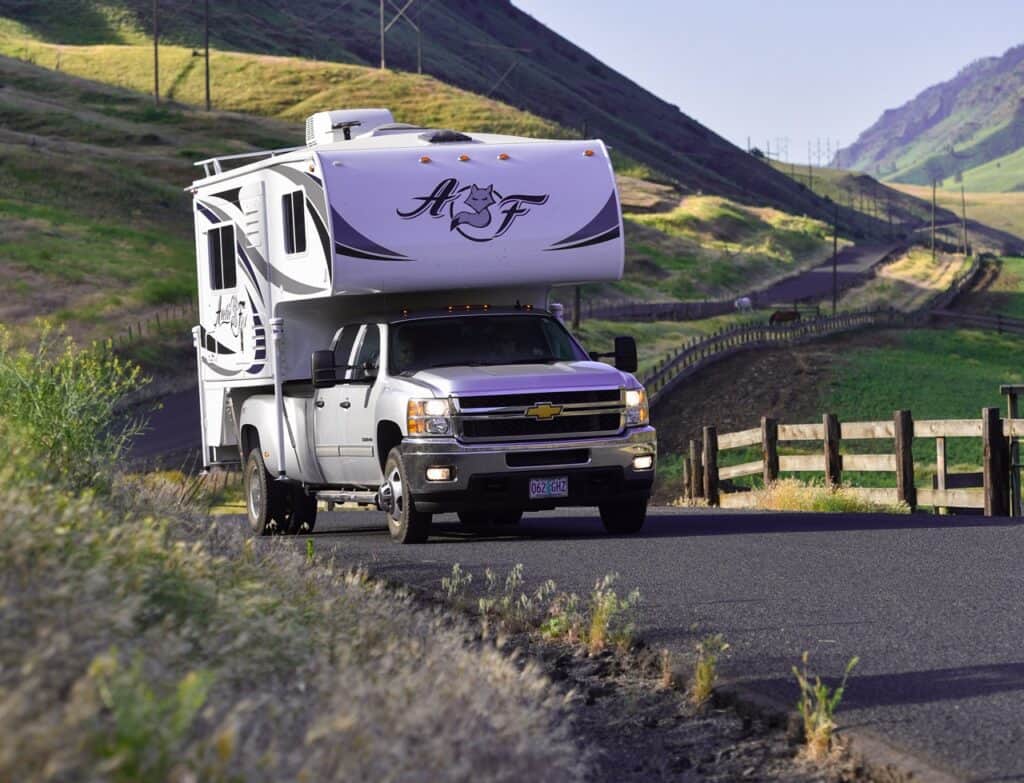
[{"x": 378, "y": 222}]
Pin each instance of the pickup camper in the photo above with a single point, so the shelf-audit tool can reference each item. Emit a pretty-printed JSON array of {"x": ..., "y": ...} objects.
[{"x": 375, "y": 328}]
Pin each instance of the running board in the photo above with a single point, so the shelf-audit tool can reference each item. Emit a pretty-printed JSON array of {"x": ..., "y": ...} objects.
[{"x": 365, "y": 498}]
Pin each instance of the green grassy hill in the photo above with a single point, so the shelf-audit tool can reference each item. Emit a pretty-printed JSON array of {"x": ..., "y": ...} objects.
[
  {"x": 486, "y": 48},
  {"x": 93, "y": 178},
  {"x": 971, "y": 126}
]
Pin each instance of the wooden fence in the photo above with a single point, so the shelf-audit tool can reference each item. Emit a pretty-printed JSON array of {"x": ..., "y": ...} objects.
[
  {"x": 156, "y": 324},
  {"x": 699, "y": 352},
  {"x": 703, "y": 477},
  {"x": 692, "y": 356},
  {"x": 999, "y": 323}
]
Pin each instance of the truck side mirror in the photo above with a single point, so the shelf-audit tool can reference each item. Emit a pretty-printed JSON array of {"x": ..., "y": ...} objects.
[
  {"x": 323, "y": 370},
  {"x": 625, "y": 354}
]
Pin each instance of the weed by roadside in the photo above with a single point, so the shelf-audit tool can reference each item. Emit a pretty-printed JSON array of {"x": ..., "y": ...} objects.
[
  {"x": 817, "y": 706},
  {"x": 602, "y": 620},
  {"x": 705, "y": 669}
]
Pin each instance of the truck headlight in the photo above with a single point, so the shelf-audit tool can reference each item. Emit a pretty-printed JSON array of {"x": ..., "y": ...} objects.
[
  {"x": 637, "y": 411},
  {"x": 429, "y": 417}
]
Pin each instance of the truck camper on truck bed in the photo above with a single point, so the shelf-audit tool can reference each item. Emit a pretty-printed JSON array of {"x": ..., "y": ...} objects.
[{"x": 375, "y": 327}]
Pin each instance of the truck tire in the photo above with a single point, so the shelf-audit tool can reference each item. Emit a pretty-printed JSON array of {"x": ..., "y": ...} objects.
[
  {"x": 300, "y": 515},
  {"x": 405, "y": 523},
  {"x": 623, "y": 518},
  {"x": 265, "y": 498}
]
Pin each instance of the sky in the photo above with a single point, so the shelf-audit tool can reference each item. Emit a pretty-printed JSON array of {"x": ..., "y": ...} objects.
[{"x": 772, "y": 70}]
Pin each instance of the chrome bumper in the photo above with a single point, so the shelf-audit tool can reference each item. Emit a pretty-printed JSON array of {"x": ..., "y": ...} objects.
[{"x": 476, "y": 459}]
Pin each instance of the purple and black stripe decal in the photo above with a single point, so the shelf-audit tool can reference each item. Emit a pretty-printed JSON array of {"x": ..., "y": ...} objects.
[
  {"x": 247, "y": 265},
  {"x": 207, "y": 212},
  {"x": 602, "y": 228},
  {"x": 212, "y": 345},
  {"x": 349, "y": 242}
]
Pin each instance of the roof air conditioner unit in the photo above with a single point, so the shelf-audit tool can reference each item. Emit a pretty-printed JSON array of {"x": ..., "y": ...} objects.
[{"x": 329, "y": 127}]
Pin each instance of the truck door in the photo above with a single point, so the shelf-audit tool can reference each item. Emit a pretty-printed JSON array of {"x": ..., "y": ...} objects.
[
  {"x": 361, "y": 464},
  {"x": 331, "y": 407}
]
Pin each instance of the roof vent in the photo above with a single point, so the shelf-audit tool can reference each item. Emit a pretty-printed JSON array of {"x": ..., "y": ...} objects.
[
  {"x": 330, "y": 127},
  {"x": 444, "y": 136}
]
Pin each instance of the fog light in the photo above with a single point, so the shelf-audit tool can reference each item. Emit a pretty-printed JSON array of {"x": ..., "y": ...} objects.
[
  {"x": 439, "y": 473},
  {"x": 643, "y": 462}
]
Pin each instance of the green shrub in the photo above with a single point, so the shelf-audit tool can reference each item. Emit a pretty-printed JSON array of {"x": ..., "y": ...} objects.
[{"x": 61, "y": 400}]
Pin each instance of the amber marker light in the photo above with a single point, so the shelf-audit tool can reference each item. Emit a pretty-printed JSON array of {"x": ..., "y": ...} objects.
[
  {"x": 425, "y": 159},
  {"x": 502, "y": 156},
  {"x": 463, "y": 157},
  {"x": 588, "y": 153}
]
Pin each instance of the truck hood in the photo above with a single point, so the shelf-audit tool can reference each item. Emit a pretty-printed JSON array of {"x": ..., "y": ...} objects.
[{"x": 523, "y": 378}]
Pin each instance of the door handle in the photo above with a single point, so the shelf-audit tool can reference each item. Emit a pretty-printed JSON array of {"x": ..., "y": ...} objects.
[
  {"x": 346, "y": 404},
  {"x": 319, "y": 403}
]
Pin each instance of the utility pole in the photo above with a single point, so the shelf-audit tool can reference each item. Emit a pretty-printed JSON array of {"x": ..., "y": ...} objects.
[
  {"x": 156, "y": 56},
  {"x": 933, "y": 221},
  {"x": 963, "y": 207},
  {"x": 810, "y": 169},
  {"x": 835, "y": 257},
  {"x": 577, "y": 307},
  {"x": 382, "y": 35},
  {"x": 206, "y": 49}
]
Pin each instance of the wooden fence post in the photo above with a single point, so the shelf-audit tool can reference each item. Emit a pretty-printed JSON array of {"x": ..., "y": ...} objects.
[
  {"x": 904, "y": 442},
  {"x": 711, "y": 465},
  {"x": 996, "y": 464},
  {"x": 833, "y": 460},
  {"x": 696, "y": 471},
  {"x": 770, "y": 449},
  {"x": 686, "y": 478},
  {"x": 940, "y": 470}
]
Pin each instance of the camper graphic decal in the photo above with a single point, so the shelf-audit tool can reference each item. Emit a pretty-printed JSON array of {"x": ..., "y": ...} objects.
[{"x": 468, "y": 208}]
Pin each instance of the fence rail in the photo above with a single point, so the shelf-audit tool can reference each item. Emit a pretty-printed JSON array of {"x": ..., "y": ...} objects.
[
  {"x": 703, "y": 477},
  {"x": 999, "y": 323}
]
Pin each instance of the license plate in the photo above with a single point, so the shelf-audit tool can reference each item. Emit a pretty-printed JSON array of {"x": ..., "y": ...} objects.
[{"x": 557, "y": 487}]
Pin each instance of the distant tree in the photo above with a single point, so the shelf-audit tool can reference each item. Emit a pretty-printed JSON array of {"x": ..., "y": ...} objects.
[{"x": 757, "y": 153}]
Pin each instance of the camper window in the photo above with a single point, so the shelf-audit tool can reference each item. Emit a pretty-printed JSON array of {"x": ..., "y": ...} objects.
[
  {"x": 221, "y": 249},
  {"x": 294, "y": 222}
]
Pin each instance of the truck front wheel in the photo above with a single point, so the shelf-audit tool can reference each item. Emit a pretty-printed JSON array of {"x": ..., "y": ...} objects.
[
  {"x": 405, "y": 523},
  {"x": 623, "y": 517}
]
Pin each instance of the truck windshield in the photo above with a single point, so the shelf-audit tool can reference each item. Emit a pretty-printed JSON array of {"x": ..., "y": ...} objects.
[{"x": 479, "y": 340}]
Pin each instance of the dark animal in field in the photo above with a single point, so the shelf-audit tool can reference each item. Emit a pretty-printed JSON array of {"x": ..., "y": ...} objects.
[{"x": 784, "y": 316}]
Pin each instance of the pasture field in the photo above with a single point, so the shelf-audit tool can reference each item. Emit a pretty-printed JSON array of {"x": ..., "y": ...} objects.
[{"x": 1004, "y": 211}]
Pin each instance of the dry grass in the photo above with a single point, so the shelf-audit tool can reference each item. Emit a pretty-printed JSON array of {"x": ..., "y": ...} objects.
[
  {"x": 1004, "y": 211},
  {"x": 792, "y": 494},
  {"x": 142, "y": 640},
  {"x": 908, "y": 283}
]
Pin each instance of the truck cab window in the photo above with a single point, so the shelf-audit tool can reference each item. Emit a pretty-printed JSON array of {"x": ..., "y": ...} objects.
[
  {"x": 294, "y": 208},
  {"x": 368, "y": 355},
  {"x": 479, "y": 340},
  {"x": 221, "y": 251}
]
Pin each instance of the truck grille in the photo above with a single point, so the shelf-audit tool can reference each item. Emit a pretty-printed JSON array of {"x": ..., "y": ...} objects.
[{"x": 590, "y": 413}]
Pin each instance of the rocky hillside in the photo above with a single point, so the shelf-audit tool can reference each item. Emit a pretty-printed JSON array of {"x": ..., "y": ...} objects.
[
  {"x": 969, "y": 128},
  {"x": 489, "y": 48}
]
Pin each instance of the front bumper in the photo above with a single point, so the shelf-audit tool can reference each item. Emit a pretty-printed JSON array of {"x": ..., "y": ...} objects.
[{"x": 489, "y": 476}]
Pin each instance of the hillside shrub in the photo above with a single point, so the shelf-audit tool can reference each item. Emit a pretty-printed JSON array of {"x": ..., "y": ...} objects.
[{"x": 61, "y": 400}]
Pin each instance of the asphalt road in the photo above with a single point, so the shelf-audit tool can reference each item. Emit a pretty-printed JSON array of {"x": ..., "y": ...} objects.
[
  {"x": 853, "y": 266},
  {"x": 933, "y": 606}
]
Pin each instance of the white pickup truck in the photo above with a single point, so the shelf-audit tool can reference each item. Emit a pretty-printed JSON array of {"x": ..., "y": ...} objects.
[{"x": 375, "y": 327}]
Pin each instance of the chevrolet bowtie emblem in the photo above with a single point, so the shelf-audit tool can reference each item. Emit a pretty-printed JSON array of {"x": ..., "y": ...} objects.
[{"x": 543, "y": 411}]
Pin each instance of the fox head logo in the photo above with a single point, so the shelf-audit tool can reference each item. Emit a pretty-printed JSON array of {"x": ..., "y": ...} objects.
[
  {"x": 470, "y": 222},
  {"x": 480, "y": 201}
]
